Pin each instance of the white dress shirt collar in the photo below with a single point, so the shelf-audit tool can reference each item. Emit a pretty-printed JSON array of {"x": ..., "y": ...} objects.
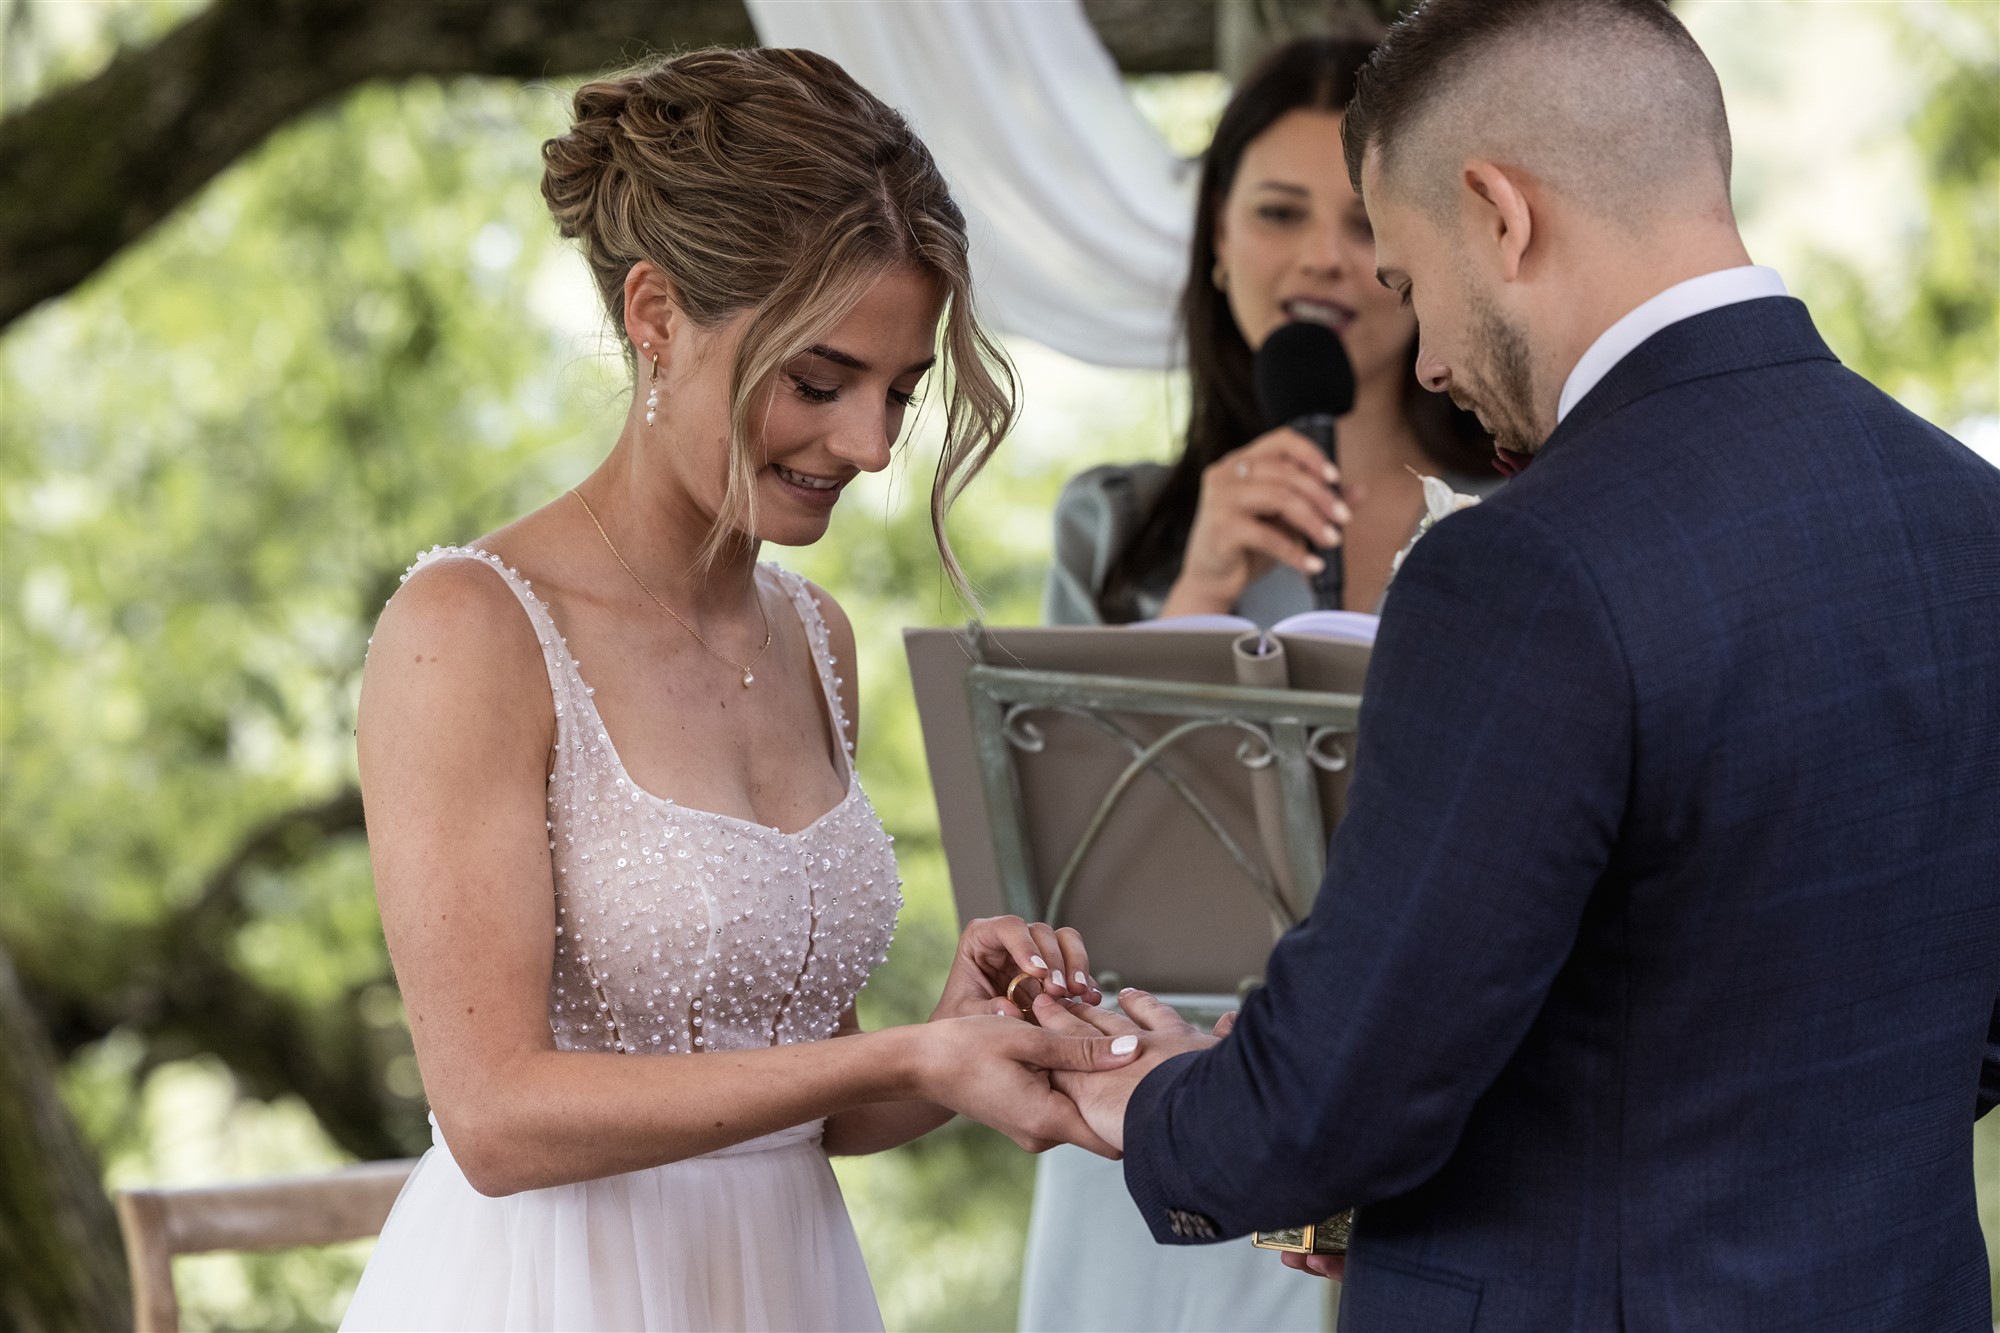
[{"x": 1696, "y": 296}]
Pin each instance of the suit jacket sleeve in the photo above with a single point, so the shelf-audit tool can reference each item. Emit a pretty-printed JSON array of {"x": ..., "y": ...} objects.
[
  {"x": 1989, "y": 1071},
  {"x": 1494, "y": 761}
]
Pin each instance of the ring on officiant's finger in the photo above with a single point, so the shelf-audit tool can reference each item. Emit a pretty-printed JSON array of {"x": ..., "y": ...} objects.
[{"x": 1014, "y": 989}]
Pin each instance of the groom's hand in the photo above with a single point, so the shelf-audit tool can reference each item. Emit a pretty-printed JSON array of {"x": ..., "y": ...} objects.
[
  {"x": 1319, "y": 1265},
  {"x": 1100, "y": 1096},
  {"x": 997, "y": 1070}
]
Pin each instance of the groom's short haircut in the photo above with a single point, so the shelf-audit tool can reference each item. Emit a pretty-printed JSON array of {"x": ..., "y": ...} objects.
[{"x": 1608, "y": 102}]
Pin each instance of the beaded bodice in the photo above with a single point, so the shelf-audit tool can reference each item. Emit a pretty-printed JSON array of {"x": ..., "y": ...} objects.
[{"x": 679, "y": 930}]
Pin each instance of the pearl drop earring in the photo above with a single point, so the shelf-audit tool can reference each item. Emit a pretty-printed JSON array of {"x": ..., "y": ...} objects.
[{"x": 653, "y": 387}]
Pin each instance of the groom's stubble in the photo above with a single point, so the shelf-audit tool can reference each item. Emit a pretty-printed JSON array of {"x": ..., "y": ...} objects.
[{"x": 1501, "y": 390}]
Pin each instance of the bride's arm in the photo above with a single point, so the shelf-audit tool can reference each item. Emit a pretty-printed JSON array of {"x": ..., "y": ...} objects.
[
  {"x": 882, "y": 1126},
  {"x": 455, "y": 734}
]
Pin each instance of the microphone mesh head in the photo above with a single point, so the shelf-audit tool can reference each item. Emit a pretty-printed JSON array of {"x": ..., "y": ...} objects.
[{"x": 1302, "y": 371}]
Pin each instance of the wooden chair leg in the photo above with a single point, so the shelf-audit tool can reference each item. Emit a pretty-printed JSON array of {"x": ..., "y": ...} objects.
[{"x": 142, "y": 1216}]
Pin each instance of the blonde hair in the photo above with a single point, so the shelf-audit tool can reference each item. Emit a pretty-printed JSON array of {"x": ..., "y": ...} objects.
[{"x": 769, "y": 181}]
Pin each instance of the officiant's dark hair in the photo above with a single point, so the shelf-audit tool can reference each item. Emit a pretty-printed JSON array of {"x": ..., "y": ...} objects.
[
  {"x": 1645, "y": 102},
  {"x": 1310, "y": 74}
]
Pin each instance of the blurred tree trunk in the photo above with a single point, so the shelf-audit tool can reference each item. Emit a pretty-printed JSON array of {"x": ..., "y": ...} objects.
[
  {"x": 62, "y": 1264},
  {"x": 61, "y": 1257}
]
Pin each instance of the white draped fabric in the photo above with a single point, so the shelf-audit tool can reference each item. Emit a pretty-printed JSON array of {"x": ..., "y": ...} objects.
[{"x": 1079, "y": 212}]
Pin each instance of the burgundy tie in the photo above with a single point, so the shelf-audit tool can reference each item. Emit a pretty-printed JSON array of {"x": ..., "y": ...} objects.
[{"x": 1510, "y": 461}]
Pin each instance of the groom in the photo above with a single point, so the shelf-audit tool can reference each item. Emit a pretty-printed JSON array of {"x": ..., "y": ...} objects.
[{"x": 1653, "y": 982}]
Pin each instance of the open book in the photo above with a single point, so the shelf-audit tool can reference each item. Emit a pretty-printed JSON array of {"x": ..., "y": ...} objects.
[
  {"x": 1166, "y": 788},
  {"x": 1341, "y": 626}
]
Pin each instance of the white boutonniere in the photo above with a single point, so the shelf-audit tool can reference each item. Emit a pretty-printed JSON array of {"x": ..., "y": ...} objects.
[{"x": 1440, "y": 501}]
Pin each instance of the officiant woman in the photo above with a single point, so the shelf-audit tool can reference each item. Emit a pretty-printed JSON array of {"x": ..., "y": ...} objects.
[{"x": 1234, "y": 524}]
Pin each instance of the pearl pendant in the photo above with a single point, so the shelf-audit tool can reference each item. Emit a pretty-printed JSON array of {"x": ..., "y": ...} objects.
[{"x": 748, "y": 679}]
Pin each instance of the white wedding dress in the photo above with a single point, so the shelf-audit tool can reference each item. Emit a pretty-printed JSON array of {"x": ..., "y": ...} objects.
[{"x": 678, "y": 931}]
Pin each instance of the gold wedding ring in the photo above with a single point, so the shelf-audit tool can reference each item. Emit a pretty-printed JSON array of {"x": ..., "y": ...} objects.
[
  {"x": 1014, "y": 991},
  {"x": 1328, "y": 1237}
]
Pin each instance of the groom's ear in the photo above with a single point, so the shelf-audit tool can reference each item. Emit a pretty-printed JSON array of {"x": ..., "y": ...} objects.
[{"x": 1502, "y": 223}]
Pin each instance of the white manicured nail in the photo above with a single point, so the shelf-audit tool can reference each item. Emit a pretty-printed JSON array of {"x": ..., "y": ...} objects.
[
  {"x": 1082, "y": 981},
  {"x": 1125, "y": 1045},
  {"x": 1036, "y": 961}
]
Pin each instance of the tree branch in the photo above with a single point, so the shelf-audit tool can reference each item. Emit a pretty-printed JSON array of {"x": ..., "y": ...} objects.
[
  {"x": 184, "y": 993},
  {"x": 1152, "y": 37},
  {"x": 93, "y": 167},
  {"x": 332, "y": 1058}
]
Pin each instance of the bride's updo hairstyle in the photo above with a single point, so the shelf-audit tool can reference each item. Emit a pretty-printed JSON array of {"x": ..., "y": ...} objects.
[{"x": 769, "y": 181}]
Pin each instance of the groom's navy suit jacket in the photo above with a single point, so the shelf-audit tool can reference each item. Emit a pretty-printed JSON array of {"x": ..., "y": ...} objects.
[{"x": 1652, "y": 984}]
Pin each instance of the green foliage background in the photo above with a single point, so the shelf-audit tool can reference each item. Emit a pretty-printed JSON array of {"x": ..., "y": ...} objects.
[{"x": 216, "y": 459}]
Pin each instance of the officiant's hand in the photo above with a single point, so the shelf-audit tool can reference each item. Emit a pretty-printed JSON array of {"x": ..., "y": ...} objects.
[
  {"x": 1271, "y": 502},
  {"x": 1101, "y": 1096},
  {"x": 992, "y": 951}
]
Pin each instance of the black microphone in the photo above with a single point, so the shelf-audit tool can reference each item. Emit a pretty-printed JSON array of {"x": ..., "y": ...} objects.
[{"x": 1304, "y": 380}]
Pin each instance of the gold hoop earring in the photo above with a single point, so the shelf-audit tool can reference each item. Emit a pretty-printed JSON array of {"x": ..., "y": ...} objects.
[{"x": 1219, "y": 276}]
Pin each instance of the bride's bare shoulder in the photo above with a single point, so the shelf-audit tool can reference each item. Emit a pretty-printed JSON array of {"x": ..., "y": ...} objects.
[
  {"x": 455, "y": 642},
  {"x": 459, "y": 597}
]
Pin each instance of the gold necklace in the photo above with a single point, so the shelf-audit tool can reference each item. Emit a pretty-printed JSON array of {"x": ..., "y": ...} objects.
[{"x": 743, "y": 667}]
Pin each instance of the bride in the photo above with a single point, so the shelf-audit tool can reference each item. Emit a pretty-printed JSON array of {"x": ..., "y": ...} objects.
[{"x": 627, "y": 877}]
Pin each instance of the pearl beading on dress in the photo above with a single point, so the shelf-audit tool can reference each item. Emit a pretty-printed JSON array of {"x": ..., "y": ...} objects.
[{"x": 680, "y": 930}]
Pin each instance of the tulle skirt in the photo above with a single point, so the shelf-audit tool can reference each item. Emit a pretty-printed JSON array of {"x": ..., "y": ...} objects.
[{"x": 753, "y": 1237}]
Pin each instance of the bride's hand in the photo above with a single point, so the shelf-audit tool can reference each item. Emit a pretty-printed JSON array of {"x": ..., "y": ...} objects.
[
  {"x": 997, "y": 1070},
  {"x": 995, "y": 950}
]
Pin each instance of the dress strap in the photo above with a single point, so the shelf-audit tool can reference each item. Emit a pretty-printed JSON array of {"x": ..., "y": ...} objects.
[
  {"x": 821, "y": 644},
  {"x": 565, "y": 678}
]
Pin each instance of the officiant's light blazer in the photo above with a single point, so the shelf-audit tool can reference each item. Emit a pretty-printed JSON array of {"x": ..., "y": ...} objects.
[{"x": 1652, "y": 984}]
